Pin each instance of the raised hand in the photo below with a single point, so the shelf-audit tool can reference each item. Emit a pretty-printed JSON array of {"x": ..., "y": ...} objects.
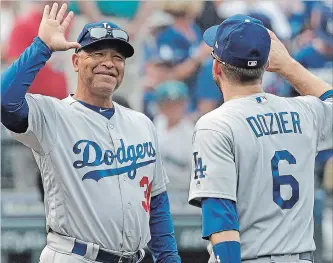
[
  {"x": 53, "y": 27},
  {"x": 278, "y": 56}
]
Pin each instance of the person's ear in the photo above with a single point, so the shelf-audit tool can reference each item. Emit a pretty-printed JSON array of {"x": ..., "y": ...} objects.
[
  {"x": 75, "y": 61},
  {"x": 216, "y": 68}
]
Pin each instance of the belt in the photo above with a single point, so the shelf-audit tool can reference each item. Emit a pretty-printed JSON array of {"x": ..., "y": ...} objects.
[
  {"x": 105, "y": 256},
  {"x": 302, "y": 256}
]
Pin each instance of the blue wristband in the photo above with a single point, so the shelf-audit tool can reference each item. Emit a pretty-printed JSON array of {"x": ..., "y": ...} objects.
[{"x": 227, "y": 252}]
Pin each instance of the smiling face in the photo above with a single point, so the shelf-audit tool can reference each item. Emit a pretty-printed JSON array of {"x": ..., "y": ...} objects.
[{"x": 100, "y": 68}]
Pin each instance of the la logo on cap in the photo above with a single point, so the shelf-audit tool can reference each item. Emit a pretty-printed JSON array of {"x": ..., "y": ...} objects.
[
  {"x": 252, "y": 63},
  {"x": 106, "y": 25}
]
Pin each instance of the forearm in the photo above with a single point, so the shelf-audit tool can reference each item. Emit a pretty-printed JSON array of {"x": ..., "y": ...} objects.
[
  {"x": 220, "y": 225},
  {"x": 143, "y": 13},
  {"x": 15, "y": 82},
  {"x": 163, "y": 243},
  {"x": 303, "y": 80},
  {"x": 224, "y": 236},
  {"x": 184, "y": 70}
]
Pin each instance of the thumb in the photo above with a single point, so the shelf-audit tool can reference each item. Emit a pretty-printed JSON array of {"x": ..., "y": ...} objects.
[{"x": 71, "y": 45}]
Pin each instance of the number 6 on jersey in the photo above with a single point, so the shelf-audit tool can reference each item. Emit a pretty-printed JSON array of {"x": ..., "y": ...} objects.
[{"x": 279, "y": 180}]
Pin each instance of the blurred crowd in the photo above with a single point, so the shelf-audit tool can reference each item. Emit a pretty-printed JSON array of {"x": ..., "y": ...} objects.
[{"x": 169, "y": 78}]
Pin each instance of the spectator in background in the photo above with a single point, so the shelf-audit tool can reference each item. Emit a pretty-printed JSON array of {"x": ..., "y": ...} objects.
[
  {"x": 318, "y": 55},
  {"x": 181, "y": 44},
  {"x": 270, "y": 8},
  {"x": 208, "y": 95},
  {"x": 158, "y": 22},
  {"x": 51, "y": 80},
  {"x": 209, "y": 15},
  {"x": 174, "y": 133}
]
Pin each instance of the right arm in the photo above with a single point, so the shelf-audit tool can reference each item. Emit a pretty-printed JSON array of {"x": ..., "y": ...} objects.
[
  {"x": 306, "y": 83},
  {"x": 300, "y": 78},
  {"x": 15, "y": 82}
]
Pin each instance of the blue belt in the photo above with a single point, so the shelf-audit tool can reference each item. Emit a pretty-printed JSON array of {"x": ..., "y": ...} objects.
[{"x": 105, "y": 256}]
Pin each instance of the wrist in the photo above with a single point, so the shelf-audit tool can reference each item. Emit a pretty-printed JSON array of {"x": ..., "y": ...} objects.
[
  {"x": 229, "y": 251},
  {"x": 44, "y": 48},
  {"x": 288, "y": 67}
]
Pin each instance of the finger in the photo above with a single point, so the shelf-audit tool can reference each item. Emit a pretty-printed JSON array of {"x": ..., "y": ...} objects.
[
  {"x": 67, "y": 20},
  {"x": 71, "y": 45},
  {"x": 61, "y": 13},
  {"x": 53, "y": 12},
  {"x": 271, "y": 34},
  {"x": 46, "y": 12}
]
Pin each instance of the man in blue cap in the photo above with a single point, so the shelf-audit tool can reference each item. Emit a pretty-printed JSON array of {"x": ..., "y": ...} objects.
[
  {"x": 253, "y": 157},
  {"x": 105, "y": 186}
]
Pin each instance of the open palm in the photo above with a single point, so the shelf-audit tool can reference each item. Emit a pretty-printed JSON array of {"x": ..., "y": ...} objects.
[{"x": 53, "y": 27}]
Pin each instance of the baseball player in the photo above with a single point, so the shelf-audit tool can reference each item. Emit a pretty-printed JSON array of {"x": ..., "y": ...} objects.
[
  {"x": 105, "y": 187},
  {"x": 253, "y": 159}
]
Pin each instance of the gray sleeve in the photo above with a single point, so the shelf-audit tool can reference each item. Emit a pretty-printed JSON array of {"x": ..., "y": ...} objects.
[
  {"x": 160, "y": 179},
  {"x": 213, "y": 167},
  {"x": 41, "y": 133},
  {"x": 323, "y": 118}
]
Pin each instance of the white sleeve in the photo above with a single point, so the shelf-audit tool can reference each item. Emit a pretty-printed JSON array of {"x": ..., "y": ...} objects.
[
  {"x": 41, "y": 133},
  {"x": 213, "y": 167},
  {"x": 322, "y": 109},
  {"x": 160, "y": 179}
]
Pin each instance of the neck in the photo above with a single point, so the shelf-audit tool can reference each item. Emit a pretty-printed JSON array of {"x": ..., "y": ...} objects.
[
  {"x": 238, "y": 91},
  {"x": 86, "y": 96}
]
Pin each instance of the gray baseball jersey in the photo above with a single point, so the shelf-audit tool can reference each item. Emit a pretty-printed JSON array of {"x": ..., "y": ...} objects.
[
  {"x": 259, "y": 151},
  {"x": 98, "y": 174}
]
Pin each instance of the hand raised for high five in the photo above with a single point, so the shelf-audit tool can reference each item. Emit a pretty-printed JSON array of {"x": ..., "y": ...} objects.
[{"x": 53, "y": 27}]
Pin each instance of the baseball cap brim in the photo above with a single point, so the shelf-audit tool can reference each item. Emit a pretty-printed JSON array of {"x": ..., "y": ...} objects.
[
  {"x": 124, "y": 47},
  {"x": 209, "y": 35}
]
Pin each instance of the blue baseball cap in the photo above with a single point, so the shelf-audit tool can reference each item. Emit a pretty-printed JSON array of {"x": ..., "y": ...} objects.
[
  {"x": 113, "y": 33},
  {"x": 240, "y": 41},
  {"x": 325, "y": 30},
  {"x": 171, "y": 90}
]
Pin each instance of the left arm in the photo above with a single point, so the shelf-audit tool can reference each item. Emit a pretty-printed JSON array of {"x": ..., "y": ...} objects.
[
  {"x": 163, "y": 243},
  {"x": 220, "y": 226}
]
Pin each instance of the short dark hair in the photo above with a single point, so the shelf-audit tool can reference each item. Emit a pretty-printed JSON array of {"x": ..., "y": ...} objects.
[{"x": 242, "y": 75}]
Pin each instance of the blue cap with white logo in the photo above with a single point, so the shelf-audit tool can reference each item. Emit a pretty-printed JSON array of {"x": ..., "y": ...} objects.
[
  {"x": 171, "y": 90},
  {"x": 240, "y": 41},
  {"x": 105, "y": 31}
]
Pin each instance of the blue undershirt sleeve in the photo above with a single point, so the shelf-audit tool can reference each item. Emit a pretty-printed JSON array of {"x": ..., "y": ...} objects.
[
  {"x": 163, "y": 243},
  {"x": 218, "y": 215},
  {"x": 15, "y": 82}
]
